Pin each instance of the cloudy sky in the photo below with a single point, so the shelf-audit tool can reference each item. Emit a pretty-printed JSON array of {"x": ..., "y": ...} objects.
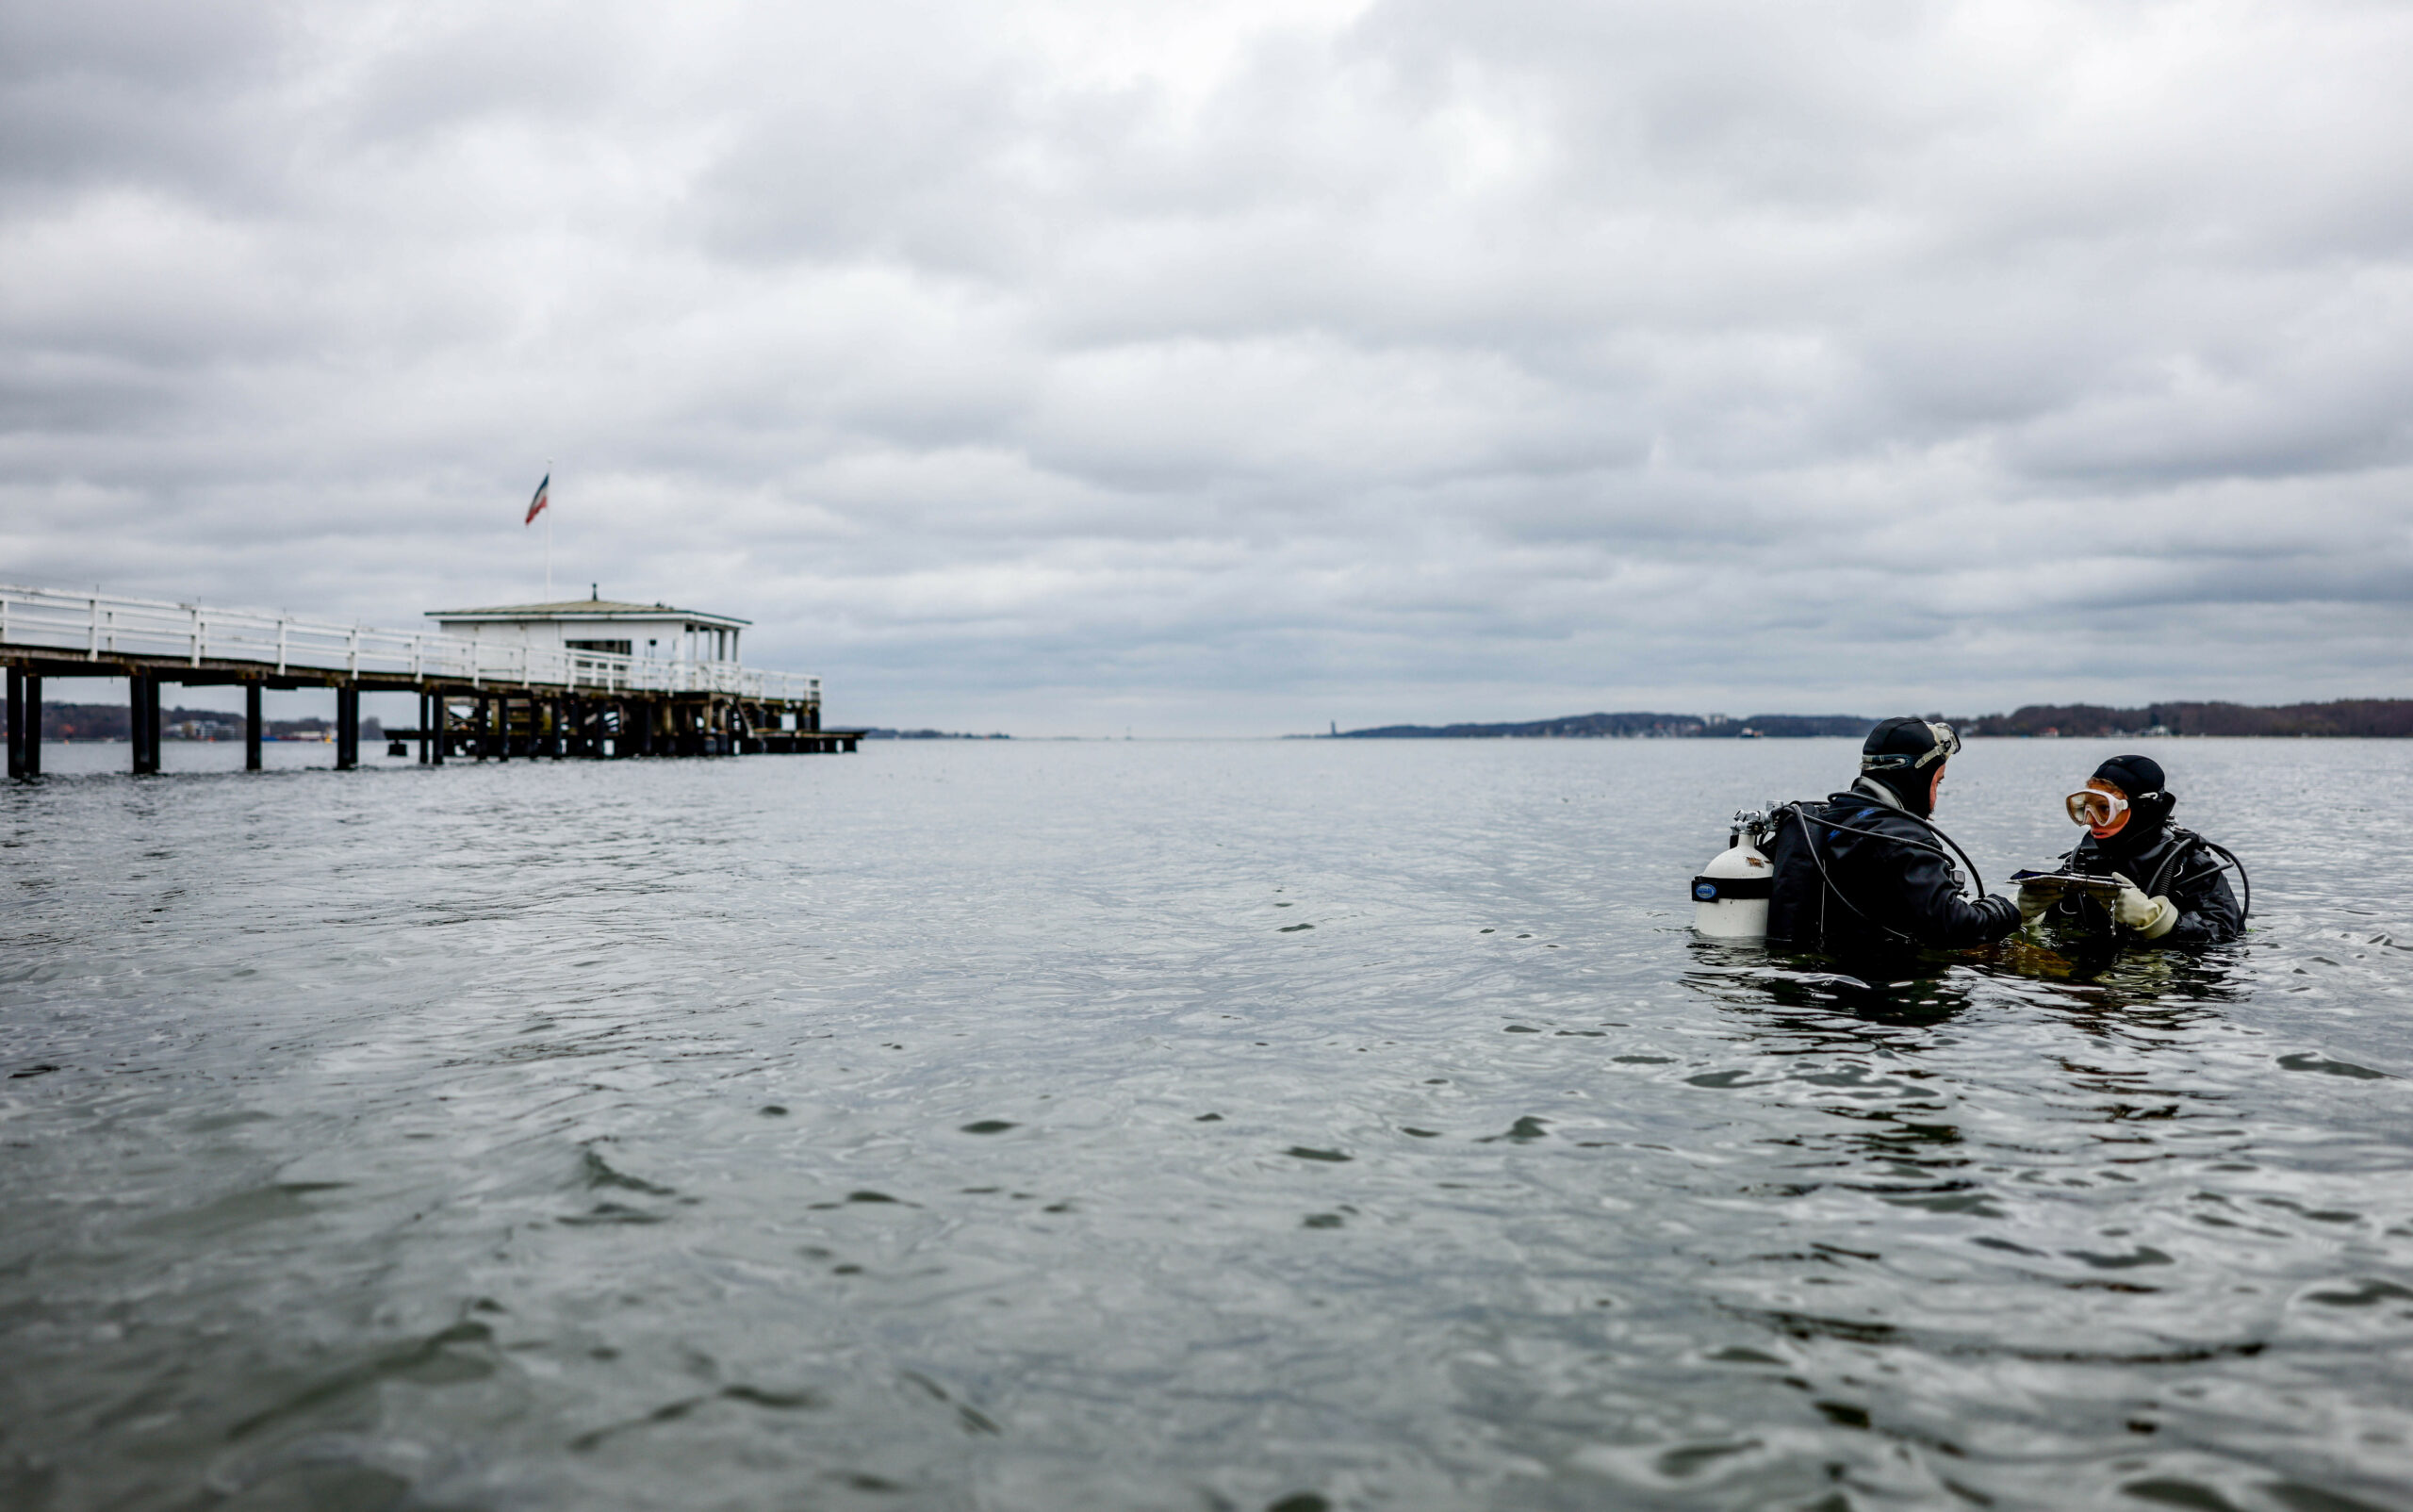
[{"x": 1235, "y": 367}]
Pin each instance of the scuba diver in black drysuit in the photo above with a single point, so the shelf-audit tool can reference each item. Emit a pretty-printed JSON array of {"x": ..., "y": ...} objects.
[
  {"x": 2172, "y": 893},
  {"x": 1865, "y": 872}
]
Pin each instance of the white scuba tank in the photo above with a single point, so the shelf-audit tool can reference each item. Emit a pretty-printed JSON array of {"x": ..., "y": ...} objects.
[{"x": 1730, "y": 895}]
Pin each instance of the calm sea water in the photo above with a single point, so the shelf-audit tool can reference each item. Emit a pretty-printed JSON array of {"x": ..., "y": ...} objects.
[{"x": 1175, "y": 1125}]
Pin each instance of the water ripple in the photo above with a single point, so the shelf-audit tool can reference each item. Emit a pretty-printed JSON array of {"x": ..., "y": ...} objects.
[{"x": 1301, "y": 1126}]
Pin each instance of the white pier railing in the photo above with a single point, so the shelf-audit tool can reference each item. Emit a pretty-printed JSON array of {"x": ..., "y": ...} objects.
[{"x": 100, "y": 627}]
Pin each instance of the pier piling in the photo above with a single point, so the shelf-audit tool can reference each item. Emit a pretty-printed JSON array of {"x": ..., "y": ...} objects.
[
  {"x": 142, "y": 711},
  {"x": 251, "y": 727}
]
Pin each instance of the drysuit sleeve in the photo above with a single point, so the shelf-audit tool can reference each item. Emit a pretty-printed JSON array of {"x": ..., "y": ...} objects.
[
  {"x": 2207, "y": 911},
  {"x": 1921, "y": 889}
]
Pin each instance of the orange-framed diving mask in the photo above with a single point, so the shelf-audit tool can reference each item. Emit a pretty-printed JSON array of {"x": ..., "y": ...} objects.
[{"x": 2094, "y": 808}]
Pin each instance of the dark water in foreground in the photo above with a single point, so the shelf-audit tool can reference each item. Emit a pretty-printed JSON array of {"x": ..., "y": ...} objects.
[{"x": 1175, "y": 1125}]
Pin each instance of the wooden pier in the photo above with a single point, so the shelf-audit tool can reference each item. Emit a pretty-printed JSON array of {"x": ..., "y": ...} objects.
[{"x": 478, "y": 699}]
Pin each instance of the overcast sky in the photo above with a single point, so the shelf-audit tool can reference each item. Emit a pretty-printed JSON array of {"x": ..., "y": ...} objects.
[{"x": 1232, "y": 368}]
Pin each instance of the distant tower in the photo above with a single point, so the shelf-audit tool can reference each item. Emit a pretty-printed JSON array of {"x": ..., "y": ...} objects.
[{"x": 1336, "y": 727}]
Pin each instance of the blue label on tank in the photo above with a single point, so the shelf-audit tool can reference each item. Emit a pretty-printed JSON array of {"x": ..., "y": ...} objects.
[{"x": 1704, "y": 891}]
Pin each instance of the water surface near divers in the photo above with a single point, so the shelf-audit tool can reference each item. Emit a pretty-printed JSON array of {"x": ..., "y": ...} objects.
[{"x": 1184, "y": 1125}]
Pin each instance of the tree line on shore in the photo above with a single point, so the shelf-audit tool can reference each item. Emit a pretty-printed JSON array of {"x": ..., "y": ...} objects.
[
  {"x": 2366, "y": 718},
  {"x": 115, "y": 721},
  {"x": 2382, "y": 717}
]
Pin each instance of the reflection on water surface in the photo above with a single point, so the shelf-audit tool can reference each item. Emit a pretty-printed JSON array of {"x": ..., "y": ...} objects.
[{"x": 977, "y": 1126}]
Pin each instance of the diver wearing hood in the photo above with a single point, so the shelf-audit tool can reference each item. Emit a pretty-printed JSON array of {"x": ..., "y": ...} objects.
[
  {"x": 1864, "y": 871},
  {"x": 2171, "y": 891}
]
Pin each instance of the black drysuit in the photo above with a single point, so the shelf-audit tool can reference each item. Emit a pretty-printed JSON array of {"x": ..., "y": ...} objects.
[
  {"x": 2174, "y": 863},
  {"x": 1885, "y": 889}
]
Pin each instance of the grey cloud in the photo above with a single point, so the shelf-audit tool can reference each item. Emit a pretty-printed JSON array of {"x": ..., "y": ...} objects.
[{"x": 1030, "y": 366}]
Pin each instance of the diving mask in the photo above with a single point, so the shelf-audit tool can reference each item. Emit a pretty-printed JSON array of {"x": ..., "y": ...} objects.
[{"x": 2094, "y": 808}]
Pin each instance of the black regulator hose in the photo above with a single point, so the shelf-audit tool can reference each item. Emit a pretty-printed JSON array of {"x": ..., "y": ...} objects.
[
  {"x": 1810, "y": 839},
  {"x": 2228, "y": 859},
  {"x": 2246, "y": 909},
  {"x": 1809, "y": 842},
  {"x": 1932, "y": 828}
]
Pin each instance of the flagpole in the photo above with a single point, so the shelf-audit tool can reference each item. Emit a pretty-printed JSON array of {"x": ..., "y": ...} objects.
[{"x": 549, "y": 536}]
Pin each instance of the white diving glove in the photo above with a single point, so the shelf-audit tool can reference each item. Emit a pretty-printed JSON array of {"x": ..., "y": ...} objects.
[
  {"x": 2152, "y": 917},
  {"x": 2033, "y": 902}
]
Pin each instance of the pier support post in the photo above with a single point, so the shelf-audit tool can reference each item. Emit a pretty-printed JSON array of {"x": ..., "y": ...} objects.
[
  {"x": 347, "y": 728},
  {"x": 29, "y": 730},
  {"x": 441, "y": 710},
  {"x": 142, "y": 722},
  {"x": 251, "y": 727},
  {"x": 16, "y": 722}
]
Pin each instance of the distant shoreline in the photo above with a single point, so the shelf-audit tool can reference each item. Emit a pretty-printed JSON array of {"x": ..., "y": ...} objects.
[{"x": 2344, "y": 718}]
